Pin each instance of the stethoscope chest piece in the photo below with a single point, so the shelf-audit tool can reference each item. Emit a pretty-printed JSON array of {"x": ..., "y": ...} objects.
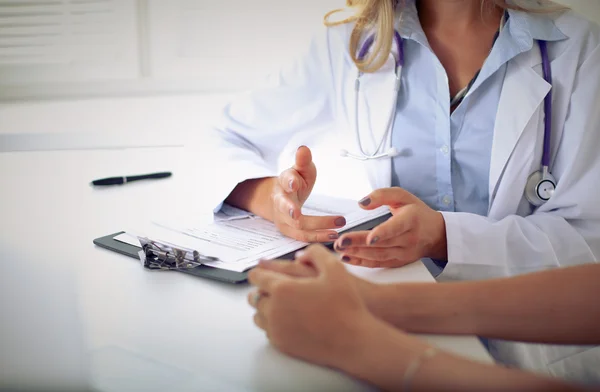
[{"x": 540, "y": 188}]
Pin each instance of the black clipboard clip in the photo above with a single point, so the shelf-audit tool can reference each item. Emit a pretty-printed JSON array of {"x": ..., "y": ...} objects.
[{"x": 163, "y": 256}]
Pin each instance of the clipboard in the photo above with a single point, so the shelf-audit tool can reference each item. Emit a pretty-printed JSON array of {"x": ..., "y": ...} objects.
[{"x": 226, "y": 276}]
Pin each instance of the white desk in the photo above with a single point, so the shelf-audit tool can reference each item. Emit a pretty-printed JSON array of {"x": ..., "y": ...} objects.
[{"x": 154, "y": 330}]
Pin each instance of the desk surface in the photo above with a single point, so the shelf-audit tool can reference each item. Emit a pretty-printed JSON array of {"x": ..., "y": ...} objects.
[{"x": 154, "y": 330}]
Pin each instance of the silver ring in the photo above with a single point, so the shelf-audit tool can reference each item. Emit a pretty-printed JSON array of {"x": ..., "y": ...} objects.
[{"x": 256, "y": 297}]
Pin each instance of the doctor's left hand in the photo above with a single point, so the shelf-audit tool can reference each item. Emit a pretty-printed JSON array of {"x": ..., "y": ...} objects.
[
  {"x": 413, "y": 232},
  {"x": 312, "y": 316}
]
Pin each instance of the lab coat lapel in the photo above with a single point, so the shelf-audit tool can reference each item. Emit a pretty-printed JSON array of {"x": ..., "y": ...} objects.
[
  {"x": 522, "y": 97},
  {"x": 375, "y": 103}
]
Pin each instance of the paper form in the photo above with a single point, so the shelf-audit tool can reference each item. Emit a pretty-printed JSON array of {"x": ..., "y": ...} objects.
[
  {"x": 228, "y": 212},
  {"x": 241, "y": 242}
]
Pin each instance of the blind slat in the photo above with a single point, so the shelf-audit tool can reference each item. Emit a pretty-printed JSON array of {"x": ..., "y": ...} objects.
[{"x": 71, "y": 35}]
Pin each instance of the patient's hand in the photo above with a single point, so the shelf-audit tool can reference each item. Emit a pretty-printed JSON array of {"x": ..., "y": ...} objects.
[
  {"x": 300, "y": 269},
  {"x": 318, "y": 316}
]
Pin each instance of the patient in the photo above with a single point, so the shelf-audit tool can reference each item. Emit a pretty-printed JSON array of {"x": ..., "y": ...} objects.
[{"x": 313, "y": 309}]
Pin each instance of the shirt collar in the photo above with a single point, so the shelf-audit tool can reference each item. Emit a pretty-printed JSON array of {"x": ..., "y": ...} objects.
[
  {"x": 525, "y": 27},
  {"x": 408, "y": 23}
]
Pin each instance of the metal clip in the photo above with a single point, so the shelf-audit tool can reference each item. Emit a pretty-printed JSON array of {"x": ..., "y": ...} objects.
[{"x": 163, "y": 256}]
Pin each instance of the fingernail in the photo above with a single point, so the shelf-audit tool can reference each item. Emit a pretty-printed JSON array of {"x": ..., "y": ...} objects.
[
  {"x": 299, "y": 254},
  {"x": 374, "y": 240},
  {"x": 292, "y": 212},
  {"x": 346, "y": 242},
  {"x": 300, "y": 147},
  {"x": 334, "y": 236},
  {"x": 291, "y": 184},
  {"x": 346, "y": 259},
  {"x": 265, "y": 262},
  {"x": 340, "y": 222},
  {"x": 365, "y": 201}
]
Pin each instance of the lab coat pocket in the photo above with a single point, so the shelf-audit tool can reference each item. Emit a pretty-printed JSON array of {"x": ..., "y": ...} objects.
[{"x": 582, "y": 366}]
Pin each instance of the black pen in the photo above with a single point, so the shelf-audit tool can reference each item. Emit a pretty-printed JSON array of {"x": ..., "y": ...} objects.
[{"x": 126, "y": 179}]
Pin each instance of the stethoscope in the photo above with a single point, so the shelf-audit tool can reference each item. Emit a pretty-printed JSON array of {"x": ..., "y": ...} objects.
[{"x": 540, "y": 184}]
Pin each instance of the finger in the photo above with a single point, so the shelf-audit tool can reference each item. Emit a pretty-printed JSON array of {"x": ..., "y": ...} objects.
[
  {"x": 258, "y": 300},
  {"x": 285, "y": 205},
  {"x": 304, "y": 258},
  {"x": 264, "y": 280},
  {"x": 309, "y": 236},
  {"x": 253, "y": 298},
  {"x": 305, "y": 167},
  {"x": 375, "y": 254},
  {"x": 405, "y": 221},
  {"x": 298, "y": 270},
  {"x": 348, "y": 259},
  {"x": 313, "y": 222},
  {"x": 320, "y": 257},
  {"x": 392, "y": 197},
  {"x": 355, "y": 238},
  {"x": 303, "y": 159},
  {"x": 361, "y": 239},
  {"x": 290, "y": 180},
  {"x": 396, "y": 263},
  {"x": 260, "y": 321},
  {"x": 290, "y": 213}
]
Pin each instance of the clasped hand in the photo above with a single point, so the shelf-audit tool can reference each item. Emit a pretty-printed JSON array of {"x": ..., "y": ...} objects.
[{"x": 310, "y": 308}]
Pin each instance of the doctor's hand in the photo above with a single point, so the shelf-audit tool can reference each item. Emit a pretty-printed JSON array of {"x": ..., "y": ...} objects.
[
  {"x": 313, "y": 315},
  {"x": 291, "y": 189},
  {"x": 413, "y": 232}
]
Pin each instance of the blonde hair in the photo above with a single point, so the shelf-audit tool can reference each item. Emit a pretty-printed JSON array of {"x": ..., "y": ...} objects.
[{"x": 378, "y": 15}]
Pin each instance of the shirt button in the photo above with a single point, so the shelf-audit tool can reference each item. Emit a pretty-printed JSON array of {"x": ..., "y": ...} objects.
[
  {"x": 447, "y": 200},
  {"x": 445, "y": 150}
]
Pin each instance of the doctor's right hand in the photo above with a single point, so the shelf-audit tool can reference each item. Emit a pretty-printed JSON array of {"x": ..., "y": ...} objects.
[{"x": 290, "y": 191}]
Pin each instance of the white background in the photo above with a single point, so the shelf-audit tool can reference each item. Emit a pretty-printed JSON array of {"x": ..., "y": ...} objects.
[{"x": 106, "y": 73}]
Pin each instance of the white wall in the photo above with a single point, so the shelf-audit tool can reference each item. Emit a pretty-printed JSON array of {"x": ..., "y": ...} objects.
[{"x": 589, "y": 8}]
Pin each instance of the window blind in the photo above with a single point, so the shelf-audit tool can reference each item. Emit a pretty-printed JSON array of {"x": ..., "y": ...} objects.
[{"x": 52, "y": 41}]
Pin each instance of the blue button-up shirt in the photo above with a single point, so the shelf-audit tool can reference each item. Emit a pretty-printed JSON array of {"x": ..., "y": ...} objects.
[{"x": 445, "y": 157}]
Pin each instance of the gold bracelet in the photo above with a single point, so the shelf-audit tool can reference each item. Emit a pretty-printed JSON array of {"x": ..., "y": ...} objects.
[{"x": 414, "y": 366}]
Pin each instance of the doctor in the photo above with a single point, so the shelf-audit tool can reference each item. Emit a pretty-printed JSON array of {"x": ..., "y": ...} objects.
[{"x": 483, "y": 117}]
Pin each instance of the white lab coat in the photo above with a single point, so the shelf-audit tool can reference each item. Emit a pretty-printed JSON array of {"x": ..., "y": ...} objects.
[{"x": 312, "y": 102}]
